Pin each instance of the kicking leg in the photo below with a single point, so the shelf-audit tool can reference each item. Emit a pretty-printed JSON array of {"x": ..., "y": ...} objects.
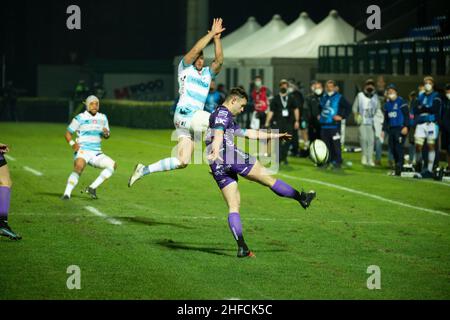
[
  {"x": 185, "y": 148},
  {"x": 232, "y": 198},
  {"x": 259, "y": 174},
  {"x": 5, "y": 199},
  {"x": 79, "y": 166}
]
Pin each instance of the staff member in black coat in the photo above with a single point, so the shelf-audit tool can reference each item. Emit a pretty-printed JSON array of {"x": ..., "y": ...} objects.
[{"x": 284, "y": 115}]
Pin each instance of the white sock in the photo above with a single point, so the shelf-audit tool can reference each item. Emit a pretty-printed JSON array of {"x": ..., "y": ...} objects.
[
  {"x": 162, "y": 165},
  {"x": 71, "y": 183},
  {"x": 431, "y": 157},
  {"x": 105, "y": 174}
]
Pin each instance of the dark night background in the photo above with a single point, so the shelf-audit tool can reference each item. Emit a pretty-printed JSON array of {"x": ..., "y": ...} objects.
[{"x": 34, "y": 32}]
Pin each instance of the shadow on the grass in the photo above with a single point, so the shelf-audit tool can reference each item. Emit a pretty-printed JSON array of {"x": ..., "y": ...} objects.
[
  {"x": 151, "y": 222},
  {"x": 173, "y": 245}
]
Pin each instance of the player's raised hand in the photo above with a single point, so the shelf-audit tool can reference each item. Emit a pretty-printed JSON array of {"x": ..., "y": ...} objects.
[
  {"x": 217, "y": 27},
  {"x": 4, "y": 148}
]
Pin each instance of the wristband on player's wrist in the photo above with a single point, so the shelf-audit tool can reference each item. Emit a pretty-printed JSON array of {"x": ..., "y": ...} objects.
[{"x": 71, "y": 142}]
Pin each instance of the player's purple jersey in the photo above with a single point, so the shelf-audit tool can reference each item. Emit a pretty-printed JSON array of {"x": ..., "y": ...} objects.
[
  {"x": 236, "y": 162},
  {"x": 222, "y": 119}
]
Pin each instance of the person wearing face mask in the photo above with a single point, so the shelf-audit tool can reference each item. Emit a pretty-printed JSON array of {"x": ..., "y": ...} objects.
[
  {"x": 446, "y": 125},
  {"x": 426, "y": 117},
  {"x": 365, "y": 107},
  {"x": 312, "y": 111},
  {"x": 396, "y": 125},
  {"x": 284, "y": 115},
  {"x": 295, "y": 93},
  {"x": 333, "y": 108},
  {"x": 378, "y": 122},
  {"x": 260, "y": 98}
]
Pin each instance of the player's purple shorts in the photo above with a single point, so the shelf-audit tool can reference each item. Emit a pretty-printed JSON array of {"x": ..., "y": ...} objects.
[
  {"x": 2, "y": 160},
  {"x": 227, "y": 172}
]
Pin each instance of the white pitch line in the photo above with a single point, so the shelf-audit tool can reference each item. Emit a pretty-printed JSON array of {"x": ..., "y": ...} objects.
[
  {"x": 8, "y": 157},
  {"x": 369, "y": 195},
  {"x": 102, "y": 215},
  {"x": 35, "y": 172}
]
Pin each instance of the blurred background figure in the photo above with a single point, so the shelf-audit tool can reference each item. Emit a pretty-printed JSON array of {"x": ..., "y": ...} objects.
[
  {"x": 284, "y": 115},
  {"x": 412, "y": 100},
  {"x": 260, "y": 97},
  {"x": 222, "y": 91},
  {"x": 98, "y": 90},
  {"x": 396, "y": 124},
  {"x": 311, "y": 111},
  {"x": 295, "y": 93},
  {"x": 213, "y": 99},
  {"x": 81, "y": 91},
  {"x": 333, "y": 108},
  {"x": 446, "y": 125},
  {"x": 378, "y": 122},
  {"x": 9, "y": 95},
  {"x": 365, "y": 107}
]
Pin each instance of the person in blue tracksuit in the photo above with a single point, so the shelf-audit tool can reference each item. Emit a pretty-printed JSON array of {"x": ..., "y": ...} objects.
[
  {"x": 213, "y": 99},
  {"x": 427, "y": 113},
  {"x": 333, "y": 109},
  {"x": 396, "y": 124}
]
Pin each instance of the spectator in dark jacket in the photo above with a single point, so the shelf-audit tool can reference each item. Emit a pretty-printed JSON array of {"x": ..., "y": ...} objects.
[
  {"x": 396, "y": 123},
  {"x": 333, "y": 108}
]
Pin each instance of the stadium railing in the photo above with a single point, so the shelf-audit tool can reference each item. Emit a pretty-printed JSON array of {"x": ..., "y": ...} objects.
[{"x": 398, "y": 57}]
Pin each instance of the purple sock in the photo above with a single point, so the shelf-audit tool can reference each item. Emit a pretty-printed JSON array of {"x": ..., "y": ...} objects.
[
  {"x": 282, "y": 189},
  {"x": 5, "y": 196},
  {"x": 234, "y": 222}
]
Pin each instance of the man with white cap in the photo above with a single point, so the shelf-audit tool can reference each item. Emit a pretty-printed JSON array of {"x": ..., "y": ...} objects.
[{"x": 91, "y": 126}]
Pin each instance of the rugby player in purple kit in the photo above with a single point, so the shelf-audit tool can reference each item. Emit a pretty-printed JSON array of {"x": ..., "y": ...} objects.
[{"x": 227, "y": 162}]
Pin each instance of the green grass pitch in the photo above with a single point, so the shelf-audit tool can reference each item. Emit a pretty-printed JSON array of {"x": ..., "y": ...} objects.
[{"x": 174, "y": 241}]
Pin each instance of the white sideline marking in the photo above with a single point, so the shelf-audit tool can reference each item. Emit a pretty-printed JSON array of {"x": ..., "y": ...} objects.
[
  {"x": 373, "y": 196},
  {"x": 35, "y": 172},
  {"x": 8, "y": 157},
  {"x": 102, "y": 215}
]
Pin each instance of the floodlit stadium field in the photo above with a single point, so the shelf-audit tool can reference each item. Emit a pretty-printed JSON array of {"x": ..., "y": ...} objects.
[{"x": 168, "y": 238}]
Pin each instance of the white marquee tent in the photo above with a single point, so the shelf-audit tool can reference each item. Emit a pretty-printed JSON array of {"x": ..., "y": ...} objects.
[
  {"x": 332, "y": 30},
  {"x": 293, "y": 31},
  {"x": 247, "y": 29},
  {"x": 257, "y": 40}
]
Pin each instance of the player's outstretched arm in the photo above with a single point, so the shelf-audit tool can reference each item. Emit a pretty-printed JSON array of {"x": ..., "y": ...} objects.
[
  {"x": 216, "y": 29},
  {"x": 259, "y": 134},
  {"x": 216, "y": 65}
]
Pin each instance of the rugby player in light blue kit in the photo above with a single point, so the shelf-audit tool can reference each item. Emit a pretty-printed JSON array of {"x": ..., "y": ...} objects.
[
  {"x": 91, "y": 127},
  {"x": 194, "y": 80}
]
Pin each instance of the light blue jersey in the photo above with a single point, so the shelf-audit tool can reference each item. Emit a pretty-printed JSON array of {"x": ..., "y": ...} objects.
[
  {"x": 194, "y": 88},
  {"x": 89, "y": 130}
]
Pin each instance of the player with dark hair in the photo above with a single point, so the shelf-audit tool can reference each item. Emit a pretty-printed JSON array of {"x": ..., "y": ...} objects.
[
  {"x": 5, "y": 196},
  {"x": 227, "y": 162}
]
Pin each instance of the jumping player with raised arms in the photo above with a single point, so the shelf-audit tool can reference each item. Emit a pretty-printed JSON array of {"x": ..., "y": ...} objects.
[{"x": 194, "y": 80}]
